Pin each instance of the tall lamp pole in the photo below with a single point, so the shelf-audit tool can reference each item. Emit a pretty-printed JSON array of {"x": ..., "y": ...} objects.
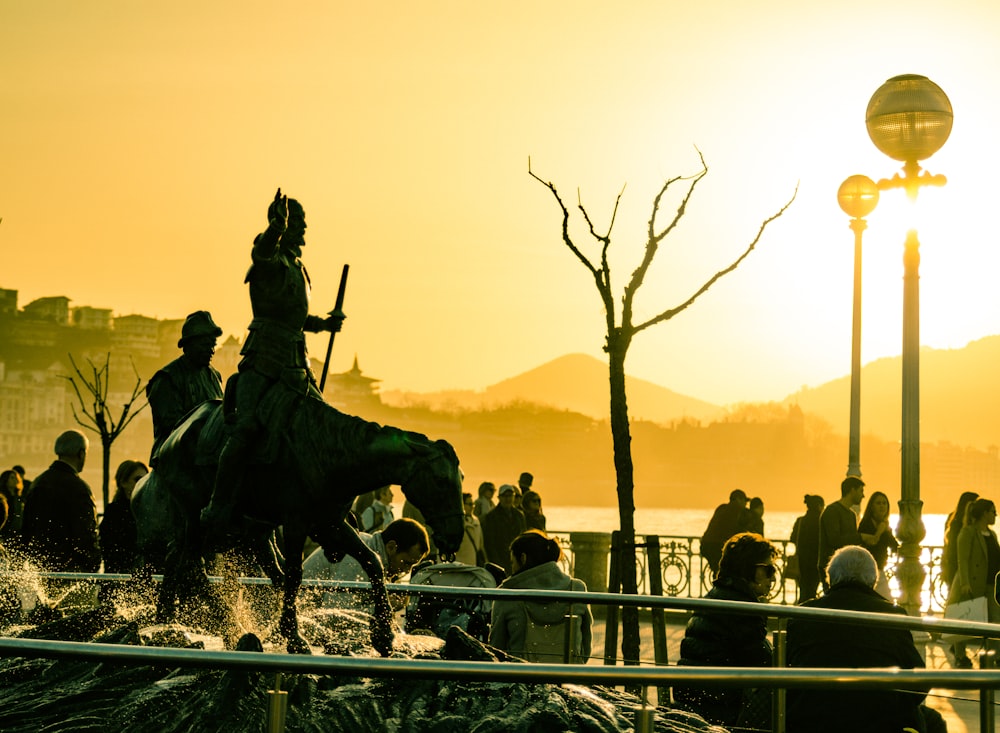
[
  {"x": 858, "y": 197},
  {"x": 909, "y": 118}
]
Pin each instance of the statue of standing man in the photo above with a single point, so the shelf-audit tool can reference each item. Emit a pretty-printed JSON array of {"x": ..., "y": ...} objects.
[{"x": 274, "y": 352}]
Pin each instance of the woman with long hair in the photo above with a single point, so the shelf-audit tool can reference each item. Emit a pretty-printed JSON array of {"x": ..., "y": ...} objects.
[
  {"x": 718, "y": 639},
  {"x": 117, "y": 531},
  {"x": 952, "y": 526},
  {"x": 877, "y": 538},
  {"x": 978, "y": 562},
  {"x": 535, "y": 630}
]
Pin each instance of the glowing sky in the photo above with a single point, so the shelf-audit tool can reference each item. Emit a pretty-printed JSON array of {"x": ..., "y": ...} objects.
[{"x": 142, "y": 143}]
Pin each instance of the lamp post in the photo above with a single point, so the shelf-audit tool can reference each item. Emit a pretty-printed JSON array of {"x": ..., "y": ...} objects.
[
  {"x": 858, "y": 197},
  {"x": 909, "y": 118}
]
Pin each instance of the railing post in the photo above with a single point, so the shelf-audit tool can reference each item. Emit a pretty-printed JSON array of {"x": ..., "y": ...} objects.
[
  {"x": 645, "y": 717},
  {"x": 657, "y": 616},
  {"x": 987, "y": 660},
  {"x": 611, "y": 614},
  {"x": 277, "y": 707},
  {"x": 780, "y": 697}
]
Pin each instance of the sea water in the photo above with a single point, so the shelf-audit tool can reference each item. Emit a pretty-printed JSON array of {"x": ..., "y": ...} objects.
[{"x": 692, "y": 522}]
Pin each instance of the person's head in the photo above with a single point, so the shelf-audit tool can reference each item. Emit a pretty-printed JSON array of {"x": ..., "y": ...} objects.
[
  {"x": 406, "y": 544},
  {"x": 814, "y": 502},
  {"x": 749, "y": 557},
  {"x": 957, "y": 519},
  {"x": 981, "y": 511},
  {"x": 294, "y": 236},
  {"x": 852, "y": 564},
  {"x": 852, "y": 490},
  {"x": 128, "y": 475},
  {"x": 71, "y": 447},
  {"x": 525, "y": 480},
  {"x": 198, "y": 338},
  {"x": 877, "y": 508},
  {"x": 757, "y": 506},
  {"x": 11, "y": 481},
  {"x": 533, "y": 548},
  {"x": 508, "y": 493},
  {"x": 467, "y": 503},
  {"x": 487, "y": 489},
  {"x": 531, "y": 502},
  {"x": 384, "y": 495},
  {"x": 738, "y": 497},
  {"x": 20, "y": 471}
]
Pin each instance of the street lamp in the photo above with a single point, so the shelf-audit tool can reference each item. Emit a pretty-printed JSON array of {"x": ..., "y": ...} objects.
[
  {"x": 909, "y": 118},
  {"x": 858, "y": 197}
]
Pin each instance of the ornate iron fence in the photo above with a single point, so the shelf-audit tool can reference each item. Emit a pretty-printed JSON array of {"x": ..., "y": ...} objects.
[{"x": 685, "y": 573}]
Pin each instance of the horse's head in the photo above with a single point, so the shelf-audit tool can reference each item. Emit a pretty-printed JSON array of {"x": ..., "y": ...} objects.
[{"x": 434, "y": 486}]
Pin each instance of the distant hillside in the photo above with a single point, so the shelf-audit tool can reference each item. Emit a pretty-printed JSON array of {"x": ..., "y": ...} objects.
[
  {"x": 959, "y": 396},
  {"x": 575, "y": 382}
]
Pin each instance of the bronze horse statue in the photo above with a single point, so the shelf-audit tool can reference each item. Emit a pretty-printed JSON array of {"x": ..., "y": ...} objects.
[{"x": 306, "y": 481}]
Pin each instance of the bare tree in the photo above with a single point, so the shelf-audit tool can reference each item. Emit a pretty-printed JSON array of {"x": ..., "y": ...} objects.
[
  {"x": 94, "y": 412},
  {"x": 619, "y": 338}
]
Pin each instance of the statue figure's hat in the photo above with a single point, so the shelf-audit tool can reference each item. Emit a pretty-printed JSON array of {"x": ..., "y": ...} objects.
[{"x": 199, "y": 323}]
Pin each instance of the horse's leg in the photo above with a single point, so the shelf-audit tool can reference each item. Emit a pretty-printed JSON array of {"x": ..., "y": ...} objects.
[
  {"x": 288, "y": 625},
  {"x": 343, "y": 537}
]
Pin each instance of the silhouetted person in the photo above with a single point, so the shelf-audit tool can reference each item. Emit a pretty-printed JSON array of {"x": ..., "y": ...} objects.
[
  {"x": 12, "y": 489},
  {"x": 60, "y": 517},
  {"x": 838, "y": 525},
  {"x": 753, "y": 517},
  {"x": 117, "y": 530},
  {"x": 821, "y": 643},
  {"x": 531, "y": 505},
  {"x": 725, "y": 523},
  {"x": 501, "y": 526},
  {"x": 24, "y": 479},
  {"x": 805, "y": 537},
  {"x": 484, "y": 504},
  {"x": 274, "y": 352},
  {"x": 188, "y": 380}
]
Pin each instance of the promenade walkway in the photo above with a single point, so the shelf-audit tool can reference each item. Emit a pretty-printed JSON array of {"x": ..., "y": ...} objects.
[{"x": 960, "y": 708}]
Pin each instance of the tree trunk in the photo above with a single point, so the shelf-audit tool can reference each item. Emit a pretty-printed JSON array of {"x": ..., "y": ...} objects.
[
  {"x": 622, "y": 442},
  {"x": 106, "y": 465}
]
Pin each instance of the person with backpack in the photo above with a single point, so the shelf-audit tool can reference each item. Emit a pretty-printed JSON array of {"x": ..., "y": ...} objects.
[{"x": 537, "y": 631}]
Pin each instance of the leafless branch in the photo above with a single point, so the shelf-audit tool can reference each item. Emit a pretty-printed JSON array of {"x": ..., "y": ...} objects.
[
  {"x": 565, "y": 225},
  {"x": 670, "y": 313}
]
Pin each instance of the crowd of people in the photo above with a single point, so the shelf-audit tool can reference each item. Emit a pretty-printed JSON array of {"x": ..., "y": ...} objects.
[{"x": 840, "y": 557}]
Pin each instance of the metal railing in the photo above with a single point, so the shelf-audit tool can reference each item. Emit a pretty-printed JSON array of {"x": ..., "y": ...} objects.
[
  {"x": 780, "y": 679},
  {"x": 685, "y": 573}
]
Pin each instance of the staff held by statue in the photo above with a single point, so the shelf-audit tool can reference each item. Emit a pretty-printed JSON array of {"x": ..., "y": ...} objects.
[{"x": 337, "y": 312}]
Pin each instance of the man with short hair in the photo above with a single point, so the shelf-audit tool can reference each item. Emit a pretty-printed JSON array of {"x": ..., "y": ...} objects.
[
  {"x": 60, "y": 516},
  {"x": 400, "y": 546},
  {"x": 501, "y": 526},
  {"x": 725, "y": 522},
  {"x": 852, "y": 575},
  {"x": 188, "y": 380},
  {"x": 378, "y": 514},
  {"x": 838, "y": 525}
]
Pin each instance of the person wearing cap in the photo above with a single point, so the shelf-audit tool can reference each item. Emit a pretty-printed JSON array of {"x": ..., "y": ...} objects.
[
  {"x": 274, "y": 356},
  {"x": 501, "y": 526},
  {"x": 188, "y": 380}
]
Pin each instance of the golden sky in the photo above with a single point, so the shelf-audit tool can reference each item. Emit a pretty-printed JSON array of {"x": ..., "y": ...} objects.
[{"x": 142, "y": 143}]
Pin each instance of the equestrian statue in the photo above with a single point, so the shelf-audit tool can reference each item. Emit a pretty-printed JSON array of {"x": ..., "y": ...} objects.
[{"x": 272, "y": 453}]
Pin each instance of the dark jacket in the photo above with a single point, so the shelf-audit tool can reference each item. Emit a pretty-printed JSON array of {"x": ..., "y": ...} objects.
[
  {"x": 500, "y": 527},
  {"x": 723, "y": 640},
  {"x": 815, "y": 643},
  {"x": 60, "y": 522},
  {"x": 838, "y": 527},
  {"x": 118, "y": 535}
]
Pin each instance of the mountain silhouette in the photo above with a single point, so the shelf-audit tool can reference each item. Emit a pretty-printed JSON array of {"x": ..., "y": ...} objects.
[
  {"x": 959, "y": 399},
  {"x": 574, "y": 382}
]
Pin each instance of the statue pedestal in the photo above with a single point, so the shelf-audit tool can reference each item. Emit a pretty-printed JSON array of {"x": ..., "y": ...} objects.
[{"x": 590, "y": 552}]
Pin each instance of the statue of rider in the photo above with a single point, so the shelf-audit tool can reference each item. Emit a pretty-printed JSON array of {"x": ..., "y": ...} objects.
[
  {"x": 274, "y": 351},
  {"x": 188, "y": 380}
]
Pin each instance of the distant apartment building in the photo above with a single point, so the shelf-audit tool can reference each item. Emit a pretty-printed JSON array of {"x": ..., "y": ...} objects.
[
  {"x": 8, "y": 303},
  {"x": 92, "y": 319},
  {"x": 54, "y": 309},
  {"x": 34, "y": 409},
  {"x": 136, "y": 335}
]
